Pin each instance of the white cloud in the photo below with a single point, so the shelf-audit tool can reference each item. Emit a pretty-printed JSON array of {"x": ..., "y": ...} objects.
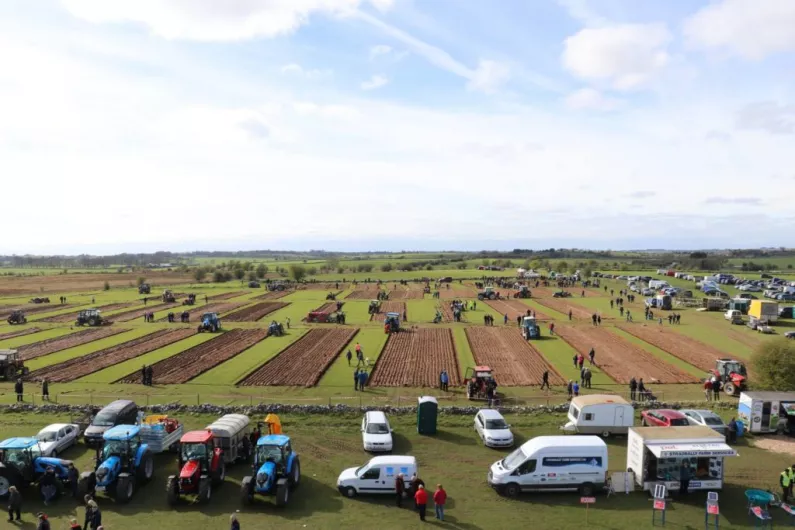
[
  {"x": 751, "y": 29},
  {"x": 381, "y": 49},
  {"x": 215, "y": 20},
  {"x": 308, "y": 108},
  {"x": 581, "y": 10},
  {"x": 488, "y": 77},
  {"x": 376, "y": 81},
  {"x": 589, "y": 98},
  {"x": 312, "y": 73},
  {"x": 627, "y": 56}
]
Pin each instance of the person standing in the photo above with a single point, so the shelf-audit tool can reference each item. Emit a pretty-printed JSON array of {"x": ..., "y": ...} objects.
[
  {"x": 569, "y": 388},
  {"x": 587, "y": 378},
  {"x": 421, "y": 501},
  {"x": 641, "y": 390},
  {"x": 45, "y": 390},
  {"x": 288, "y": 322},
  {"x": 575, "y": 360},
  {"x": 731, "y": 436},
  {"x": 545, "y": 380},
  {"x": 234, "y": 524},
  {"x": 784, "y": 480},
  {"x": 445, "y": 380},
  {"x": 591, "y": 355},
  {"x": 44, "y": 521},
  {"x": 575, "y": 387},
  {"x": 93, "y": 515},
  {"x": 439, "y": 500},
  {"x": 349, "y": 356},
  {"x": 580, "y": 361},
  {"x": 143, "y": 375},
  {"x": 708, "y": 389},
  {"x": 633, "y": 388},
  {"x": 551, "y": 329},
  {"x": 684, "y": 478},
  {"x": 400, "y": 487},
  {"x": 149, "y": 375},
  {"x": 504, "y": 323},
  {"x": 569, "y": 314},
  {"x": 14, "y": 503},
  {"x": 362, "y": 380},
  {"x": 74, "y": 478},
  {"x": 356, "y": 379},
  {"x": 716, "y": 389},
  {"x": 19, "y": 388}
]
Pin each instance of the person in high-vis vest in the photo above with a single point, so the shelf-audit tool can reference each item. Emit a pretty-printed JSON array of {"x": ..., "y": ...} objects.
[
  {"x": 791, "y": 470},
  {"x": 785, "y": 482}
]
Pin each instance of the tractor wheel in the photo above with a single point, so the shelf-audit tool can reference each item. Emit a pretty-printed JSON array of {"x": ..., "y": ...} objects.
[
  {"x": 295, "y": 475},
  {"x": 8, "y": 477},
  {"x": 247, "y": 491},
  {"x": 93, "y": 321},
  {"x": 200, "y": 329},
  {"x": 125, "y": 487},
  {"x": 282, "y": 493},
  {"x": 205, "y": 490},
  {"x": 172, "y": 490},
  {"x": 11, "y": 372},
  {"x": 220, "y": 473},
  {"x": 146, "y": 469},
  {"x": 729, "y": 388},
  {"x": 85, "y": 485}
]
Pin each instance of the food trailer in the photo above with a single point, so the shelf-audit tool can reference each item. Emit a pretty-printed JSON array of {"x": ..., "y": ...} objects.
[
  {"x": 767, "y": 412},
  {"x": 655, "y": 456}
]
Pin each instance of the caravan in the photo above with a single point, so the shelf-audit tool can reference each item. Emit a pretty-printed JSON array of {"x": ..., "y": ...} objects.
[{"x": 600, "y": 414}]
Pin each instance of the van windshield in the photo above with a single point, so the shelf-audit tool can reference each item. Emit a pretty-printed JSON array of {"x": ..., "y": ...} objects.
[
  {"x": 377, "y": 428},
  {"x": 514, "y": 460},
  {"x": 104, "y": 419}
]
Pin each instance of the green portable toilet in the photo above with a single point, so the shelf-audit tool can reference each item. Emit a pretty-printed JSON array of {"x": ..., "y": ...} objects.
[{"x": 427, "y": 410}]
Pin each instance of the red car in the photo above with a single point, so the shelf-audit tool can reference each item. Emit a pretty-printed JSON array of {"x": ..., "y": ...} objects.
[{"x": 663, "y": 418}]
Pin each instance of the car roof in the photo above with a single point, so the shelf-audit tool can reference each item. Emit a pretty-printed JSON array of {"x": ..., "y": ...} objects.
[
  {"x": 669, "y": 413},
  {"x": 375, "y": 415},
  {"x": 539, "y": 442},
  {"x": 490, "y": 414},
  {"x": 117, "y": 405},
  {"x": 274, "y": 439},
  {"x": 395, "y": 460},
  {"x": 121, "y": 432},
  {"x": 57, "y": 426},
  {"x": 196, "y": 437},
  {"x": 701, "y": 412}
]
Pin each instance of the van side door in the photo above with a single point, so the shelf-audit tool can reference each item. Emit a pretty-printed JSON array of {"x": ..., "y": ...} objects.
[{"x": 374, "y": 481}]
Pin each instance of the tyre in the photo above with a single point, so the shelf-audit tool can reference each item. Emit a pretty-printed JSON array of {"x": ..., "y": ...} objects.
[
  {"x": 220, "y": 474},
  {"x": 125, "y": 487},
  {"x": 511, "y": 490},
  {"x": 282, "y": 493},
  {"x": 606, "y": 434},
  {"x": 247, "y": 491},
  {"x": 146, "y": 469},
  {"x": 205, "y": 490},
  {"x": 8, "y": 478},
  {"x": 729, "y": 388},
  {"x": 172, "y": 490},
  {"x": 587, "y": 489},
  {"x": 350, "y": 492},
  {"x": 85, "y": 485},
  {"x": 643, "y": 422},
  {"x": 11, "y": 373},
  {"x": 93, "y": 322},
  {"x": 295, "y": 475}
]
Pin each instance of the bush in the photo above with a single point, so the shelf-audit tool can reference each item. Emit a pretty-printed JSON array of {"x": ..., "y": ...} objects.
[
  {"x": 340, "y": 270},
  {"x": 311, "y": 271},
  {"x": 462, "y": 265},
  {"x": 218, "y": 277},
  {"x": 252, "y": 276},
  {"x": 386, "y": 267},
  {"x": 773, "y": 364},
  {"x": 262, "y": 270},
  {"x": 199, "y": 274},
  {"x": 106, "y": 286},
  {"x": 240, "y": 273},
  {"x": 297, "y": 272}
]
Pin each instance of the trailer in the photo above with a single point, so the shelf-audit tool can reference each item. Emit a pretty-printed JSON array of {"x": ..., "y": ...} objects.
[
  {"x": 231, "y": 434},
  {"x": 767, "y": 412},
  {"x": 603, "y": 414},
  {"x": 765, "y": 311},
  {"x": 161, "y": 433}
]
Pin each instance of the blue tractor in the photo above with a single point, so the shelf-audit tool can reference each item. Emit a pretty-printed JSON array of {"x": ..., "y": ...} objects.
[
  {"x": 530, "y": 329},
  {"x": 277, "y": 469},
  {"x": 21, "y": 464},
  {"x": 210, "y": 322},
  {"x": 392, "y": 323},
  {"x": 123, "y": 463}
]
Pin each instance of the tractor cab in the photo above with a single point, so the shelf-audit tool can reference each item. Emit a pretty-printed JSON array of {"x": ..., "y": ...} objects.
[
  {"x": 89, "y": 317},
  {"x": 168, "y": 297},
  {"x": 276, "y": 467},
  {"x": 17, "y": 316},
  {"x": 121, "y": 442},
  {"x": 375, "y": 307},
  {"x": 479, "y": 379},
  {"x": 530, "y": 329},
  {"x": 392, "y": 323},
  {"x": 22, "y": 463},
  {"x": 210, "y": 322},
  {"x": 201, "y": 465},
  {"x": 488, "y": 293},
  {"x": 732, "y": 374},
  {"x": 523, "y": 292}
]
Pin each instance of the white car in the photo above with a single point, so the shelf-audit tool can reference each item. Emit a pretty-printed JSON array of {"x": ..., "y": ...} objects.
[
  {"x": 492, "y": 429},
  {"x": 376, "y": 432},
  {"x": 56, "y": 438},
  {"x": 763, "y": 328},
  {"x": 706, "y": 418}
]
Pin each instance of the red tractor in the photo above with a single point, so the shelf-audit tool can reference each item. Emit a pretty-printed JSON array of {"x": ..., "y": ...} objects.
[
  {"x": 732, "y": 375},
  {"x": 201, "y": 465}
]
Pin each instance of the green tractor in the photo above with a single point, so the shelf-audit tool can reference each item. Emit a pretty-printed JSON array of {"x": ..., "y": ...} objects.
[{"x": 91, "y": 317}]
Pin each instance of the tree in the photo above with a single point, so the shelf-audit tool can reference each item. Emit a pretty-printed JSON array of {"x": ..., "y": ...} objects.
[
  {"x": 240, "y": 273},
  {"x": 332, "y": 263},
  {"x": 462, "y": 265},
  {"x": 561, "y": 266},
  {"x": 386, "y": 267},
  {"x": 587, "y": 273},
  {"x": 773, "y": 364},
  {"x": 262, "y": 270},
  {"x": 200, "y": 274},
  {"x": 106, "y": 286},
  {"x": 311, "y": 271},
  {"x": 297, "y": 272},
  {"x": 141, "y": 281},
  {"x": 252, "y": 276},
  {"x": 340, "y": 270}
]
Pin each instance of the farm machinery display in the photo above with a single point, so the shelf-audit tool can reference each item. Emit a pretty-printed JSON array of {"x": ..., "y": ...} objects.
[
  {"x": 488, "y": 293},
  {"x": 392, "y": 323},
  {"x": 201, "y": 466},
  {"x": 530, "y": 328},
  {"x": 523, "y": 292},
  {"x": 168, "y": 297},
  {"x": 732, "y": 374},
  {"x": 210, "y": 323},
  {"x": 91, "y": 317},
  {"x": 21, "y": 464},
  {"x": 190, "y": 300},
  {"x": 277, "y": 470},
  {"x": 11, "y": 366},
  {"x": 17, "y": 316}
]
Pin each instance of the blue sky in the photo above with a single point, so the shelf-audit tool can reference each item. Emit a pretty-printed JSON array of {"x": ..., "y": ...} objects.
[{"x": 137, "y": 125}]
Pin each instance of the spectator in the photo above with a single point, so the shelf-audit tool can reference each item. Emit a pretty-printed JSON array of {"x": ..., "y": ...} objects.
[
  {"x": 569, "y": 388},
  {"x": 633, "y": 388},
  {"x": 349, "y": 356},
  {"x": 74, "y": 478},
  {"x": 545, "y": 380},
  {"x": 93, "y": 516},
  {"x": 591, "y": 355},
  {"x": 439, "y": 500},
  {"x": 74, "y": 525},
  {"x": 575, "y": 388},
  {"x": 44, "y": 521},
  {"x": 14, "y": 503},
  {"x": 421, "y": 501},
  {"x": 708, "y": 389},
  {"x": 45, "y": 390},
  {"x": 47, "y": 485},
  {"x": 355, "y": 379},
  {"x": 19, "y": 388},
  {"x": 551, "y": 329},
  {"x": 234, "y": 524},
  {"x": 716, "y": 389},
  {"x": 731, "y": 436},
  {"x": 362, "y": 380},
  {"x": 400, "y": 486}
]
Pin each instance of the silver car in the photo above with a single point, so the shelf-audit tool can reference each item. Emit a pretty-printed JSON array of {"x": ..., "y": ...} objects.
[{"x": 706, "y": 418}]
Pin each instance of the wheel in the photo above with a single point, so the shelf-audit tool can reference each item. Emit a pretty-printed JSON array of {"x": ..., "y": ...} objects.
[
  {"x": 172, "y": 490},
  {"x": 205, "y": 489},
  {"x": 6, "y": 481},
  {"x": 606, "y": 434},
  {"x": 85, "y": 485},
  {"x": 247, "y": 491},
  {"x": 93, "y": 322},
  {"x": 220, "y": 473},
  {"x": 295, "y": 476},
  {"x": 282, "y": 493},
  {"x": 643, "y": 422},
  {"x": 729, "y": 388},
  {"x": 587, "y": 489},
  {"x": 350, "y": 492},
  {"x": 125, "y": 487},
  {"x": 146, "y": 469},
  {"x": 511, "y": 490},
  {"x": 11, "y": 372}
]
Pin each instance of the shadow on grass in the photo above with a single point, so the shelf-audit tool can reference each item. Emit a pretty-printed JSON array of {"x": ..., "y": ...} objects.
[
  {"x": 400, "y": 444},
  {"x": 455, "y": 438}
]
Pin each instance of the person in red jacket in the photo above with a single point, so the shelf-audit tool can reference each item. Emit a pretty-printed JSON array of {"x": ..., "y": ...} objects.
[
  {"x": 439, "y": 498},
  {"x": 421, "y": 500}
]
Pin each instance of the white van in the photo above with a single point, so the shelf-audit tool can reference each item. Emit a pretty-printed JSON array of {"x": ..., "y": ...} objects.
[
  {"x": 377, "y": 476},
  {"x": 376, "y": 432},
  {"x": 553, "y": 463},
  {"x": 603, "y": 414}
]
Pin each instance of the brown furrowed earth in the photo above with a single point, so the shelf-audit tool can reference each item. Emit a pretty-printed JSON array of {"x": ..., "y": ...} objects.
[
  {"x": 99, "y": 360},
  {"x": 191, "y": 363},
  {"x": 254, "y": 312},
  {"x": 447, "y": 313},
  {"x": 49, "y": 285},
  {"x": 46, "y": 347},
  {"x": 304, "y": 362},
  {"x": 619, "y": 358},
  {"x": 406, "y": 294},
  {"x": 325, "y": 286},
  {"x": 514, "y": 361},
  {"x": 272, "y": 295},
  {"x": 196, "y": 311},
  {"x": 514, "y": 308},
  {"x": 226, "y": 296},
  {"x": 126, "y": 316},
  {"x": 73, "y": 316},
  {"x": 563, "y": 305},
  {"x": 415, "y": 358},
  {"x": 362, "y": 294},
  {"x": 458, "y": 293},
  {"x": 18, "y": 333},
  {"x": 689, "y": 350},
  {"x": 389, "y": 307}
]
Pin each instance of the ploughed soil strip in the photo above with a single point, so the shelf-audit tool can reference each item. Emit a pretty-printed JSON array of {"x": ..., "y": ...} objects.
[
  {"x": 6, "y": 311},
  {"x": 389, "y": 307},
  {"x": 126, "y": 316},
  {"x": 225, "y": 296},
  {"x": 193, "y": 362},
  {"x": 563, "y": 305},
  {"x": 196, "y": 311},
  {"x": 457, "y": 293},
  {"x": 447, "y": 312},
  {"x": 303, "y": 362},
  {"x": 415, "y": 358},
  {"x": 515, "y": 308},
  {"x": 272, "y": 295},
  {"x": 254, "y": 312},
  {"x": 325, "y": 286},
  {"x": 363, "y": 294},
  {"x": 73, "y": 316},
  {"x": 406, "y": 294},
  {"x": 691, "y": 351},
  {"x": 18, "y": 333},
  {"x": 99, "y": 360},
  {"x": 46, "y": 347},
  {"x": 619, "y": 358},
  {"x": 514, "y": 360}
]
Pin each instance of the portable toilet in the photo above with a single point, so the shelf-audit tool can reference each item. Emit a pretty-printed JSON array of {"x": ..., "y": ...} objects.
[{"x": 427, "y": 410}]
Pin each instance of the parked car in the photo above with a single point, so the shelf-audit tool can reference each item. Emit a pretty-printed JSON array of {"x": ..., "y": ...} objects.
[
  {"x": 376, "y": 432},
  {"x": 492, "y": 429},
  {"x": 647, "y": 292},
  {"x": 785, "y": 312},
  {"x": 747, "y": 296},
  {"x": 663, "y": 418},
  {"x": 764, "y": 328},
  {"x": 734, "y": 316},
  {"x": 706, "y": 418},
  {"x": 790, "y": 334},
  {"x": 56, "y": 438}
]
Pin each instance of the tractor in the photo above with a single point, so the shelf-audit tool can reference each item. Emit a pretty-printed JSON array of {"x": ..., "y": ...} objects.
[
  {"x": 253, "y": 284},
  {"x": 523, "y": 292},
  {"x": 21, "y": 464},
  {"x": 11, "y": 366},
  {"x": 144, "y": 288},
  {"x": 530, "y": 328},
  {"x": 17, "y": 316},
  {"x": 275, "y": 329},
  {"x": 91, "y": 317},
  {"x": 201, "y": 466},
  {"x": 488, "y": 294},
  {"x": 561, "y": 294},
  {"x": 479, "y": 379},
  {"x": 732, "y": 374},
  {"x": 190, "y": 300},
  {"x": 277, "y": 470},
  {"x": 39, "y": 300},
  {"x": 210, "y": 322},
  {"x": 392, "y": 323},
  {"x": 375, "y": 307},
  {"x": 331, "y": 296},
  {"x": 168, "y": 297},
  {"x": 276, "y": 286},
  {"x": 123, "y": 463}
]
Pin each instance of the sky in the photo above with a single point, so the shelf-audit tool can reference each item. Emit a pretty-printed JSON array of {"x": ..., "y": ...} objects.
[{"x": 143, "y": 125}]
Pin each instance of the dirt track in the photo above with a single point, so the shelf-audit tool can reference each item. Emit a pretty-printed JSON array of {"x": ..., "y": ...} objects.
[
  {"x": 254, "y": 312},
  {"x": 620, "y": 359},
  {"x": 689, "y": 350},
  {"x": 416, "y": 358},
  {"x": 514, "y": 308},
  {"x": 226, "y": 296},
  {"x": 68, "y": 317},
  {"x": 196, "y": 311},
  {"x": 389, "y": 307},
  {"x": 46, "y": 347},
  {"x": 194, "y": 361},
  {"x": 126, "y": 316},
  {"x": 304, "y": 362},
  {"x": 515, "y": 362},
  {"x": 18, "y": 333},
  {"x": 99, "y": 360}
]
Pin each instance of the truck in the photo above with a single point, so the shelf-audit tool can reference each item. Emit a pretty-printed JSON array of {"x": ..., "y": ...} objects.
[
  {"x": 764, "y": 311},
  {"x": 277, "y": 470},
  {"x": 530, "y": 328},
  {"x": 22, "y": 464}
]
